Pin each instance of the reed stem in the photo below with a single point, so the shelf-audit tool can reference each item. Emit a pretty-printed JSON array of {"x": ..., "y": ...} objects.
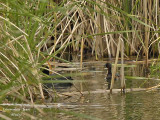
[
  {"x": 115, "y": 65},
  {"x": 122, "y": 67}
]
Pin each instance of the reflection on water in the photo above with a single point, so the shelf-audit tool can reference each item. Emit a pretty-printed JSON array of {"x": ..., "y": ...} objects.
[{"x": 140, "y": 105}]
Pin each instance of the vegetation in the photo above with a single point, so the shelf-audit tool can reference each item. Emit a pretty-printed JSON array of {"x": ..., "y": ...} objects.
[{"x": 36, "y": 32}]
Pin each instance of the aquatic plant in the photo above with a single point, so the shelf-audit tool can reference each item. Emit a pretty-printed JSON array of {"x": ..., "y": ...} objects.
[{"x": 34, "y": 33}]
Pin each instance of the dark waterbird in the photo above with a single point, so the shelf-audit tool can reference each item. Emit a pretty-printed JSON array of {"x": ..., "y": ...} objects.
[
  {"x": 56, "y": 81},
  {"x": 109, "y": 75}
]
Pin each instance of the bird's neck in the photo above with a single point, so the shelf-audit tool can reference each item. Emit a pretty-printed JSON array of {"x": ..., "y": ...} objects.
[{"x": 109, "y": 71}]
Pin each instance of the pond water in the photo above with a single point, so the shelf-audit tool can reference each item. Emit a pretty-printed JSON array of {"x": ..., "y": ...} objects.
[{"x": 139, "y": 105}]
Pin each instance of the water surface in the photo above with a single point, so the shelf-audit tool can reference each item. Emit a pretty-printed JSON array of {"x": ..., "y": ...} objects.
[{"x": 140, "y": 105}]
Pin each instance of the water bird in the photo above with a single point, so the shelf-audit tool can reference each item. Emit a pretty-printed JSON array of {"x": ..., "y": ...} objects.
[
  {"x": 109, "y": 74},
  {"x": 59, "y": 80}
]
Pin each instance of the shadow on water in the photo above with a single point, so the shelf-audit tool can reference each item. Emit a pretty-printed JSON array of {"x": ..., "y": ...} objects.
[{"x": 140, "y": 105}]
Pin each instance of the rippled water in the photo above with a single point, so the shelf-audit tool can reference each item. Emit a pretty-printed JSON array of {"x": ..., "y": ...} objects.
[{"x": 140, "y": 105}]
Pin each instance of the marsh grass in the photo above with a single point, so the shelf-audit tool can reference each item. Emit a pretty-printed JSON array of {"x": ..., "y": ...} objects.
[{"x": 33, "y": 33}]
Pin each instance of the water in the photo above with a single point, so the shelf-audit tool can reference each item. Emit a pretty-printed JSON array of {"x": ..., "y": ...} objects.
[{"x": 140, "y": 105}]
